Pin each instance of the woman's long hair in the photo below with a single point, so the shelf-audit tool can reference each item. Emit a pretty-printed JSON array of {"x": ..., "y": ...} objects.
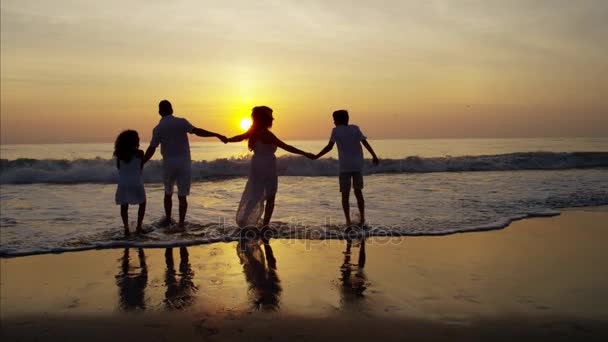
[
  {"x": 262, "y": 120},
  {"x": 126, "y": 144}
]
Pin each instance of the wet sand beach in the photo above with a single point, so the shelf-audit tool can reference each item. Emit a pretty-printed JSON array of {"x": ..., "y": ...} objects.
[{"x": 540, "y": 278}]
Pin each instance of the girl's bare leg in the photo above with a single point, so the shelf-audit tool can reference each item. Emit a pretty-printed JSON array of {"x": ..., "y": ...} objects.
[
  {"x": 124, "y": 213},
  {"x": 140, "y": 216}
]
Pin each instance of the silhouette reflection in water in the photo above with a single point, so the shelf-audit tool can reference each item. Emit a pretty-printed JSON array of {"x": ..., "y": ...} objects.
[
  {"x": 353, "y": 279},
  {"x": 181, "y": 290},
  {"x": 132, "y": 281},
  {"x": 260, "y": 269}
]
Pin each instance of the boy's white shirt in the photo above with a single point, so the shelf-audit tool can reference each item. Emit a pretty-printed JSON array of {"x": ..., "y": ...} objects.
[{"x": 350, "y": 153}]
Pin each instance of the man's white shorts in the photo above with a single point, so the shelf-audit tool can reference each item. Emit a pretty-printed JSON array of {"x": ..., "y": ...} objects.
[{"x": 177, "y": 171}]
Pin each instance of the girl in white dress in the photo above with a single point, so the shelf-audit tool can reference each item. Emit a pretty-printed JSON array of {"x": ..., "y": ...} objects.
[
  {"x": 263, "y": 181},
  {"x": 129, "y": 161}
]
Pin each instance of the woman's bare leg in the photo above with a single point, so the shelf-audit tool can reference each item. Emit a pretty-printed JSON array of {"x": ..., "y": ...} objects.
[{"x": 268, "y": 210}]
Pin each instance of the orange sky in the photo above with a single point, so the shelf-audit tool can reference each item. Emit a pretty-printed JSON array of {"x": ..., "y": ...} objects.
[{"x": 83, "y": 71}]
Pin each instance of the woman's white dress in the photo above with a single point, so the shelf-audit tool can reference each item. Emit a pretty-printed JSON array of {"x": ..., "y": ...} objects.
[
  {"x": 262, "y": 183},
  {"x": 130, "y": 182}
]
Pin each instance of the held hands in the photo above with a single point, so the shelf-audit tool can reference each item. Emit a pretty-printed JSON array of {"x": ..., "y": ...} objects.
[
  {"x": 222, "y": 138},
  {"x": 310, "y": 156}
]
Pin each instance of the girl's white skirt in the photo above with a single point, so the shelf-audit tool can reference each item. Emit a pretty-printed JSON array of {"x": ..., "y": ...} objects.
[{"x": 130, "y": 194}]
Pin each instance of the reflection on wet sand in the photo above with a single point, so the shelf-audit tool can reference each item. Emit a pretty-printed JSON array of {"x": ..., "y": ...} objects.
[
  {"x": 352, "y": 276},
  {"x": 131, "y": 282},
  {"x": 181, "y": 291},
  {"x": 260, "y": 269}
]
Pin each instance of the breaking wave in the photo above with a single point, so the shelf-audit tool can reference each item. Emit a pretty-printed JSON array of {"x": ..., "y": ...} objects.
[{"x": 29, "y": 171}]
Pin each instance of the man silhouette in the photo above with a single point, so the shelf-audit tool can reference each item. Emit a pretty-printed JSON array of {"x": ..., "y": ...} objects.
[{"x": 172, "y": 135}]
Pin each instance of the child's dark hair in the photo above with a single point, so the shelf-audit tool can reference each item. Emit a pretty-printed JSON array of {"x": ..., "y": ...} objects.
[
  {"x": 126, "y": 144},
  {"x": 341, "y": 117}
]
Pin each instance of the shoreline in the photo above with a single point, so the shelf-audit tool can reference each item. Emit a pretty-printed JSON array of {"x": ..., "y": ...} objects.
[{"x": 499, "y": 225}]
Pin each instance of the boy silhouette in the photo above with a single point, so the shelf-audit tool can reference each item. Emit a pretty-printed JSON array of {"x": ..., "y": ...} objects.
[{"x": 350, "y": 155}]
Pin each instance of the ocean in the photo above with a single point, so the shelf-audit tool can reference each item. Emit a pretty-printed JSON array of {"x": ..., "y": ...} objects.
[{"x": 60, "y": 197}]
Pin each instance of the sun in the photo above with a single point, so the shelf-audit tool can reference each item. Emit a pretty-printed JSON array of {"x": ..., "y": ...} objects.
[{"x": 245, "y": 123}]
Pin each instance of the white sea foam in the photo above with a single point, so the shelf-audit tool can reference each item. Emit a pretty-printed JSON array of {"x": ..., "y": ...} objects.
[{"x": 158, "y": 238}]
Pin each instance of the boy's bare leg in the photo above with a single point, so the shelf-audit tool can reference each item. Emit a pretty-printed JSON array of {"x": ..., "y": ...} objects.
[
  {"x": 140, "y": 216},
  {"x": 124, "y": 213},
  {"x": 168, "y": 206},
  {"x": 346, "y": 207},
  {"x": 361, "y": 205},
  {"x": 183, "y": 208},
  {"x": 268, "y": 210}
]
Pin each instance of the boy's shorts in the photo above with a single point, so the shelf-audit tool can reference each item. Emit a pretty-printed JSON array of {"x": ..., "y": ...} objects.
[
  {"x": 177, "y": 171},
  {"x": 345, "y": 181}
]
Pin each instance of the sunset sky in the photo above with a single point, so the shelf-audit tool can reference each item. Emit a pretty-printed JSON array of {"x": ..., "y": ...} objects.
[{"x": 81, "y": 71}]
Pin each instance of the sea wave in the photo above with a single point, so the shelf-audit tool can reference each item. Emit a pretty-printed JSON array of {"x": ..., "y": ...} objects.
[{"x": 99, "y": 170}]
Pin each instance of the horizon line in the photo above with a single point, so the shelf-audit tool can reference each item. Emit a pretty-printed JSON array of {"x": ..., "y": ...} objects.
[{"x": 324, "y": 139}]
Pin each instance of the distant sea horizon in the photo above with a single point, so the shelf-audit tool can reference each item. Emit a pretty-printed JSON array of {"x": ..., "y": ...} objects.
[{"x": 211, "y": 140}]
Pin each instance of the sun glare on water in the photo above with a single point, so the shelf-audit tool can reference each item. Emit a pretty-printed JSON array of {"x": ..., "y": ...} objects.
[{"x": 245, "y": 123}]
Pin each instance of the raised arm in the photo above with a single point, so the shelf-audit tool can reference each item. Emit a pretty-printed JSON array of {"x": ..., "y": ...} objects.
[
  {"x": 203, "y": 133},
  {"x": 371, "y": 151},
  {"x": 325, "y": 149},
  {"x": 270, "y": 138}
]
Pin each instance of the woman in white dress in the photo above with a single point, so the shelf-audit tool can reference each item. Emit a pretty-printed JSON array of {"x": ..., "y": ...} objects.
[{"x": 263, "y": 181}]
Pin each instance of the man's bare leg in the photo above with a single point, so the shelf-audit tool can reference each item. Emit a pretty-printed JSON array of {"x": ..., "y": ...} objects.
[
  {"x": 168, "y": 206},
  {"x": 183, "y": 208}
]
